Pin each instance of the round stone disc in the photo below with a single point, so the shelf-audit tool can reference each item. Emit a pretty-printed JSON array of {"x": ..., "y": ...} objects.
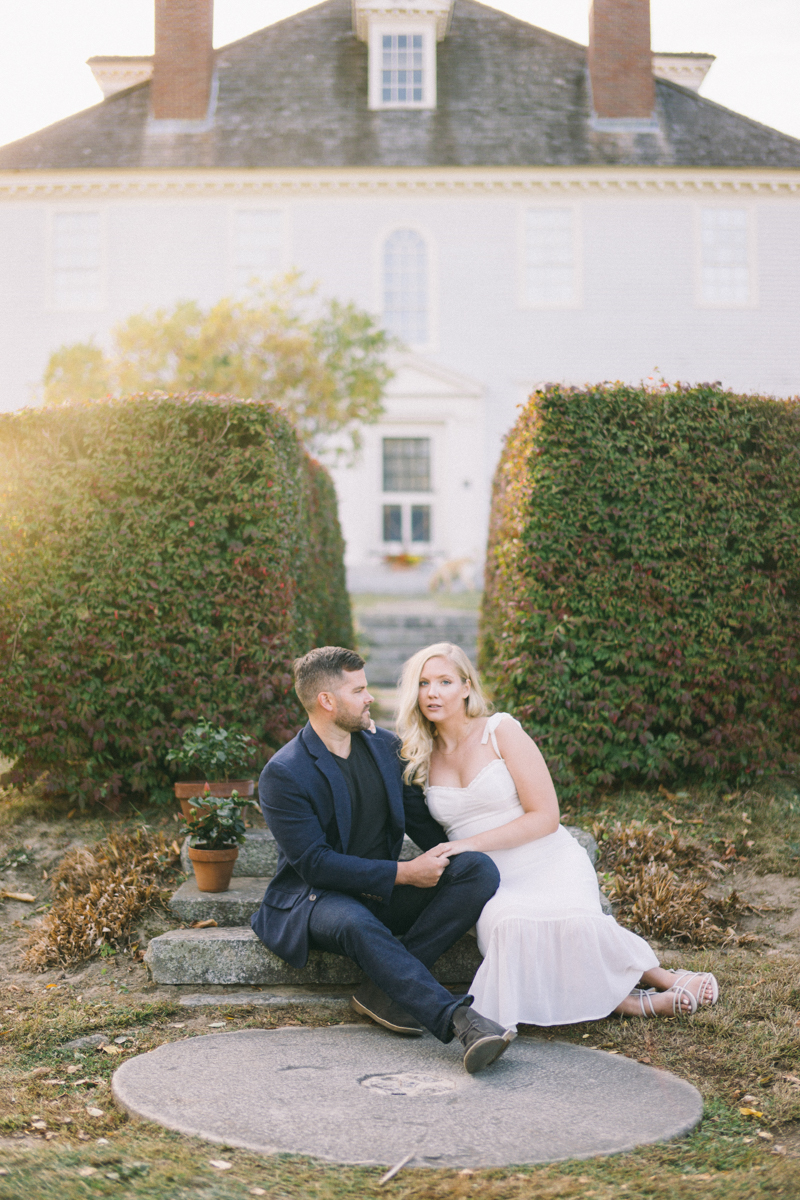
[{"x": 352, "y": 1094}]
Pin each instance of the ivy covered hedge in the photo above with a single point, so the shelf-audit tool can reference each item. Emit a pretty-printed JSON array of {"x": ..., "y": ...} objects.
[
  {"x": 161, "y": 558},
  {"x": 642, "y": 608}
]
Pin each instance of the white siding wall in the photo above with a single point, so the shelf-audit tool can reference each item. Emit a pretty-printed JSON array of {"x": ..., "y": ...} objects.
[{"x": 636, "y": 311}]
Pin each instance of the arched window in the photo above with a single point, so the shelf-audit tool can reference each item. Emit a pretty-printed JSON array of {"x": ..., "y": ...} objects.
[{"x": 405, "y": 286}]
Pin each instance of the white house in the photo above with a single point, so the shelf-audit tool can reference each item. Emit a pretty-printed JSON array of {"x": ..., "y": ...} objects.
[{"x": 516, "y": 208}]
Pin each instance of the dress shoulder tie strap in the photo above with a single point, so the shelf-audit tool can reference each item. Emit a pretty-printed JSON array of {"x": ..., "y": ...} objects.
[{"x": 491, "y": 724}]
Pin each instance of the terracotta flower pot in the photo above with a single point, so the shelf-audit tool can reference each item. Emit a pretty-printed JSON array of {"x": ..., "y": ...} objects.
[
  {"x": 213, "y": 868},
  {"x": 222, "y": 788}
]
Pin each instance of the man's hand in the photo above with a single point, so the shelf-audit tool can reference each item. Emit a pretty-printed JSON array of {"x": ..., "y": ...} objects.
[{"x": 424, "y": 871}]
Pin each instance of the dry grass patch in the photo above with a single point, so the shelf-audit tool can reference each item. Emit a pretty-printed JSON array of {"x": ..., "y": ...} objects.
[
  {"x": 741, "y": 1054},
  {"x": 99, "y": 892}
]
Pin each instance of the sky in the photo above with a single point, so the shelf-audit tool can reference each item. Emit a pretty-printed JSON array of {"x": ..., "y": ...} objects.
[{"x": 44, "y": 45}]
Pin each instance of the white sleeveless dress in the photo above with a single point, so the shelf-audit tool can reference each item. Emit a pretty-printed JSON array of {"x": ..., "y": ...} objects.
[{"x": 550, "y": 954}]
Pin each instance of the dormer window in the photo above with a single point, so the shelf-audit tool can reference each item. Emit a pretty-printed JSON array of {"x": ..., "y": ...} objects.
[
  {"x": 402, "y": 64},
  {"x": 402, "y": 36}
]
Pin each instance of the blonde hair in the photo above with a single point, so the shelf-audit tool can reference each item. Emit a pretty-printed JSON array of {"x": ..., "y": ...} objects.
[{"x": 416, "y": 731}]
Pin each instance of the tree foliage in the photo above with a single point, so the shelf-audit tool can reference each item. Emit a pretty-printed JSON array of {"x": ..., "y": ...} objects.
[
  {"x": 161, "y": 560},
  {"x": 325, "y": 365},
  {"x": 641, "y": 612}
]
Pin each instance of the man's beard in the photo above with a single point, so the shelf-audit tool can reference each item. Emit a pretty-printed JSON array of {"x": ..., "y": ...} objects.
[{"x": 350, "y": 724}]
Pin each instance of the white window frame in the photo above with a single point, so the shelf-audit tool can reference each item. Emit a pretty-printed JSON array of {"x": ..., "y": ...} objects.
[
  {"x": 378, "y": 26},
  {"x": 575, "y": 210},
  {"x": 432, "y": 341},
  {"x": 234, "y": 286},
  {"x": 404, "y": 500},
  {"x": 51, "y": 302},
  {"x": 701, "y": 300}
]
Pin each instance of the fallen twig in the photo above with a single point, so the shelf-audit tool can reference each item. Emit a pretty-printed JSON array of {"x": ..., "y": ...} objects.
[{"x": 396, "y": 1169}]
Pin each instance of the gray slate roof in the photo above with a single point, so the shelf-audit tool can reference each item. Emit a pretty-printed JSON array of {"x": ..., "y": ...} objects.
[{"x": 509, "y": 94}]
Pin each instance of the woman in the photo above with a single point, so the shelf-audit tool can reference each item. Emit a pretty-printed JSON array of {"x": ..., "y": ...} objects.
[{"x": 551, "y": 956}]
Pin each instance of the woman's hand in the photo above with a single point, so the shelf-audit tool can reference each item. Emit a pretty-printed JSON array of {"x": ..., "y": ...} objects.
[{"x": 451, "y": 848}]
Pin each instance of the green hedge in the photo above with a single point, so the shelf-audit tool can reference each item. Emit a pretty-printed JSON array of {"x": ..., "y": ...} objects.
[
  {"x": 641, "y": 611},
  {"x": 161, "y": 558}
]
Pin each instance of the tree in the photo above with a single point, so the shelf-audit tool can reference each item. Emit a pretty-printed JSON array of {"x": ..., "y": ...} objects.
[{"x": 324, "y": 363}]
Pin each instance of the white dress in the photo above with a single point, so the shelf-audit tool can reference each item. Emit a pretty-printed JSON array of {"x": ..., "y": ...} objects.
[{"x": 550, "y": 954}]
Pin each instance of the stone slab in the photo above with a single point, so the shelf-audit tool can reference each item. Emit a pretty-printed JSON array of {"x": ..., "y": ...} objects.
[
  {"x": 235, "y": 956},
  {"x": 353, "y": 1094},
  {"x": 262, "y": 999},
  {"x": 233, "y": 907},
  {"x": 258, "y": 855}
]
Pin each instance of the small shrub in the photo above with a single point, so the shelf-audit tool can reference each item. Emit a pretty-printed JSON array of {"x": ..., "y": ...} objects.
[
  {"x": 641, "y": 610},
  {"x": 161, "y": 560},
  {"x": 217, "y": 823},
  {"x": 209, "y": 752}
]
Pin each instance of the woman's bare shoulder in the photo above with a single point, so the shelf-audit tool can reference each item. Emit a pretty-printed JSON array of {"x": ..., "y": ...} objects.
[{"x": 510, "y": 734}]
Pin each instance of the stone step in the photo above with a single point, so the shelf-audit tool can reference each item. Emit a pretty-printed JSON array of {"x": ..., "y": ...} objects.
[
  {"x": 234, "y": 907},
  {"x": 234, "y": 955},
  {"x": 231, "y": 954},
  {"x": 246, "y": 892},
  {"x": 258, "y": 855},
  {"x": 388, "y": 638}
]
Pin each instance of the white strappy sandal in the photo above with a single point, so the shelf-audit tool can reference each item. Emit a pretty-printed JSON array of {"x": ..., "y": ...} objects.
[
  {"x": 646, "y": 1008},
  {"x": 706, "y": 980}
]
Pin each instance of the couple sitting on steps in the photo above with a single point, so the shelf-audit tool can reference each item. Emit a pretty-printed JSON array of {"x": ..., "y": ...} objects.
[{"x": 474, "y": 793}]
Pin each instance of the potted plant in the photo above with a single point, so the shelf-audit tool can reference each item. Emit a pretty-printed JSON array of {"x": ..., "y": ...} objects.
[
  {"x": 216, "y": 829},
  {"x": 211, "y": 757}
]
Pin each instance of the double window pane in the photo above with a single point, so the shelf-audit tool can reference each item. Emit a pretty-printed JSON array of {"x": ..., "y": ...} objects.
[
  {"x": 401, "y": 68},
  {"x": 77, "y": 260},
  {"x": 405, "y": 286},
  {"x": 406, "y": 464},
  {"x": 256, "y": 245},
  {"x": 418, "y": 516},
  {"x": 549, "y": 256},
  {"x": 725, "y": 273}
]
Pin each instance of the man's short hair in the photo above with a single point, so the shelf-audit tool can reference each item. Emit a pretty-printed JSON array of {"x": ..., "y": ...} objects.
[{"x": 321, "y": 670}]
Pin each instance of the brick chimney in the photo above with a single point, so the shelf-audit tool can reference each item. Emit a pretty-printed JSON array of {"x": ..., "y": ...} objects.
[
  {"x": 620, "y": 60},
  {"x": 184, "y": 60}
]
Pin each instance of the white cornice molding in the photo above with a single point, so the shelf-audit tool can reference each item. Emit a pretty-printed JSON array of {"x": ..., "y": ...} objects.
[
  {"x": 445, "y": 181},
  {"x": 440, "y": 11}
]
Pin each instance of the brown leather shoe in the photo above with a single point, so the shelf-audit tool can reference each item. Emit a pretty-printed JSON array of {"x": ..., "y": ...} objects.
[{"x": 370, "y": 1001}]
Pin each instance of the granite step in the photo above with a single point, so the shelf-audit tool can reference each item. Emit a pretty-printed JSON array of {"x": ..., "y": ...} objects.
[
  {"x": 258, "y": 855},
  {"x": 230, "y": 908},
  {"x": 230, "y": 954},
  {"x": 233, "y": 955},
  {"x": 388, "y": 638},
  {"x": 246, "y": 892}
]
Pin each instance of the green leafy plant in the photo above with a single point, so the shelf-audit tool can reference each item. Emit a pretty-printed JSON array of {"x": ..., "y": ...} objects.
[
  {"x": 641, "y": 613},
  {"x": 162, "y": 559},
  {"x": 217, "y": 823},
  {"x": 212, "y": 753}
]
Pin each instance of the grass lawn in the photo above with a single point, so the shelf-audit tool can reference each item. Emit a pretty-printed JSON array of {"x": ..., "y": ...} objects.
[{"x": 743, "y": 1054}]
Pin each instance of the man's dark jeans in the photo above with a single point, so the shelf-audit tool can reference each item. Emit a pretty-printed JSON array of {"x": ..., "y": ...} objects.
[{"x": 396, "y": 944}]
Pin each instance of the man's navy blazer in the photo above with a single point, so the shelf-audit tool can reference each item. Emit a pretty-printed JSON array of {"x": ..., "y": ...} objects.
[{"x": 306, "y": 804}]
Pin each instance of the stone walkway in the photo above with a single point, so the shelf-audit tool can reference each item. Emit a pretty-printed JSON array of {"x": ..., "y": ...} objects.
[{"x": 352, "y": 1094}]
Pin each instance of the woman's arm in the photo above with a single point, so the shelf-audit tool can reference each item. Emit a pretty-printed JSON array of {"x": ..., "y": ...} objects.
[{"x": 536, "y": 795}]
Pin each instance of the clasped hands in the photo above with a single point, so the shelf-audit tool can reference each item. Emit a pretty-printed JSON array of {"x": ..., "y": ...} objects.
[{"x": 426, "y": 870}]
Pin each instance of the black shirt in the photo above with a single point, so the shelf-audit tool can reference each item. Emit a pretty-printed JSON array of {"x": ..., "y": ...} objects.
[{"x": 369, "y": 830}]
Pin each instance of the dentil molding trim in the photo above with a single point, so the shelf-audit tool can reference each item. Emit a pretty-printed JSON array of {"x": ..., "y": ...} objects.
[{"x": 125, "y": 183}]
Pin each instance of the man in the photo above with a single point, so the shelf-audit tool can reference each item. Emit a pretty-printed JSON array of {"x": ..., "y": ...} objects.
[{"x": 336, "y": 803}]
